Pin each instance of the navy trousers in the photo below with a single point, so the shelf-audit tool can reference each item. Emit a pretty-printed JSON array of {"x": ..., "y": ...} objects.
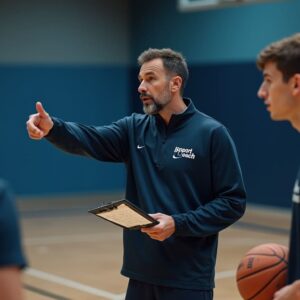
[{"x": 143, "y": 291}]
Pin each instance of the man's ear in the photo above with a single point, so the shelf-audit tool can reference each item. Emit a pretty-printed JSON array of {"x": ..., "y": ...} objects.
[
  {"x": 296, "y": 84},
  {"x": 175, "y": 84}
]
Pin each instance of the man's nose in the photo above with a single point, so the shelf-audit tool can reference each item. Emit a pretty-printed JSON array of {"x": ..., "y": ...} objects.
[
  {"x": 262, "y": 93},
  {"x": 142, "y": 88}
]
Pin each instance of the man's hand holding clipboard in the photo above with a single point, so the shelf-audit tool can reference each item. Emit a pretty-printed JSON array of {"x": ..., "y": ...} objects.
[
  {"x": 125, "y": 214},
  {"x": 163, "y": 230}
]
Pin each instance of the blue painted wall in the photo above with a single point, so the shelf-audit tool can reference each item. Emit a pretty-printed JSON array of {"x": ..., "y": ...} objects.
[
  {"x": 268, "y": 151},
  {"x": 79, "y": 58},
  {"x": 73, "y": 56},
  {"x": 213, "y": 36},
  {"x": 221, "y": 47},
  {"x": 82, "y": 94}
]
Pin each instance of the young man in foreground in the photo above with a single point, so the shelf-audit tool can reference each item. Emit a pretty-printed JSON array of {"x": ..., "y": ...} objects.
[{"x": 280, "y": 90}]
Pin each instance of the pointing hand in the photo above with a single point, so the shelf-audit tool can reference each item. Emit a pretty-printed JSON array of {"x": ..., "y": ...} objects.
[{"x": 39, "y": 124}]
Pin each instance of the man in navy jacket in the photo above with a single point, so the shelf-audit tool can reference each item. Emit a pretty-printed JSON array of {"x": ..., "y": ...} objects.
[{"x": 182, "y": 168}]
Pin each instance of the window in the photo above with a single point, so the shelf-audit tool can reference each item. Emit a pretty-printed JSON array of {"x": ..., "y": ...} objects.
[{"x": 196, "y": 5}]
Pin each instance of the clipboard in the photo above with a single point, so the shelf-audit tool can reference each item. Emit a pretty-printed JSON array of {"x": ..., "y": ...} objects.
[{"x": 124, "y": 214}]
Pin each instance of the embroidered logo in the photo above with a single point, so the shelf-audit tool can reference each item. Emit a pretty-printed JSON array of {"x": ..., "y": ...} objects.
[
  {"x": 183, "y": 153},
  {"x": 296, "y": 194},
  {"x": 140, "y": 146}
]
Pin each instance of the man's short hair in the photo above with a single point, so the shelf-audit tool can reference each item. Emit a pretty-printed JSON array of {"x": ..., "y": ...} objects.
[
  {"x": 173, "y": 62},
  {"x": 285, "y": 53}
]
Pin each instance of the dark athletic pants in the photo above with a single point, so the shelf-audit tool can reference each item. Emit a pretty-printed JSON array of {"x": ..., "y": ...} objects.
[{"x": 143, "y": 291}]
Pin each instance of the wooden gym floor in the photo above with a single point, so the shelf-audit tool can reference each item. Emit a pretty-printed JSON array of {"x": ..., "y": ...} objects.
[{"x": 74, "y": 255}]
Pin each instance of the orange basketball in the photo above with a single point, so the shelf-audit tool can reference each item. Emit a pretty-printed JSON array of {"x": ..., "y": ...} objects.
[{"x": 262, "y": 271}]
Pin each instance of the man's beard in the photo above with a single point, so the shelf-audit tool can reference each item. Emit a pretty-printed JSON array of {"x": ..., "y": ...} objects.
[
  {"x": 153, "y": 108},
  {"x": 157, "y": 104}
]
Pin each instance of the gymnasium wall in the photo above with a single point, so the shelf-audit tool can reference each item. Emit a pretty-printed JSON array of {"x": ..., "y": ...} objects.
[
  {"x": 73, "y": 56},
  {"x": 221, "y": 46},
  {"x": 79, "y": 58}
]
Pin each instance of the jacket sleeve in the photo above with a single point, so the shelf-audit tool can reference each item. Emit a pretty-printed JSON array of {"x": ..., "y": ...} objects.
[
  {"x": 228, "y": 201},
  {"x": 105, "y": 143}
]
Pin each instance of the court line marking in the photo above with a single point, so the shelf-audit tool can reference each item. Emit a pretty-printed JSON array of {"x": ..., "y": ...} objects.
[
  {"x": 62, "y": 239},
  {"x": 225, "y": 274},
  {"x": 73, "y": 284},
  {"x": 261, "y": 227},
  {"x": 93, "y": 291},
  {"x": 43, "y": 292},
  {"x": 91, "y": 238}
]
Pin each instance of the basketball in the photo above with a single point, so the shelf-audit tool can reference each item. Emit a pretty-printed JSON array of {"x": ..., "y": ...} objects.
[{"x": 262, "y": 271}]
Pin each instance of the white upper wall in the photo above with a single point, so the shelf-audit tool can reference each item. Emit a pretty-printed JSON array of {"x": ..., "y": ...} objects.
[{"x": 64, "y": 32}]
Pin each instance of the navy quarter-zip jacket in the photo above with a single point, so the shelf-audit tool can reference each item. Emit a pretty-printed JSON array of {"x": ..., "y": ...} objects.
[{"x": 188, "y": 169}]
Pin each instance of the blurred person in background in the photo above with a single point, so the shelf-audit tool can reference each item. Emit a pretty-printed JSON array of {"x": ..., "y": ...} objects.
[{"x": 12, "y": 259}]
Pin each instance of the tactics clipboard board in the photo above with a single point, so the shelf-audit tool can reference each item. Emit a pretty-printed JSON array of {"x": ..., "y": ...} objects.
[{"x": 125, "y": 214}]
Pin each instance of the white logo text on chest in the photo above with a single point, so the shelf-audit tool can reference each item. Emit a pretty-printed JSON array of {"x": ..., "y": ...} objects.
[{"x": 183, "y": 153}]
